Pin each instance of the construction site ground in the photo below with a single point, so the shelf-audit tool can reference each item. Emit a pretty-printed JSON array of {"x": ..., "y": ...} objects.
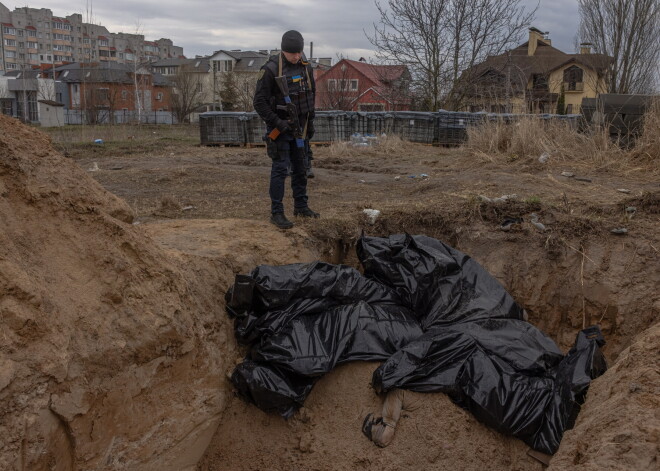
[{"x": 146, "y": 257}]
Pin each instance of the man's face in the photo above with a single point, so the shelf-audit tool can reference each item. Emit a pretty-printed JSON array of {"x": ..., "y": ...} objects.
[{"x": 293, "y": 57}]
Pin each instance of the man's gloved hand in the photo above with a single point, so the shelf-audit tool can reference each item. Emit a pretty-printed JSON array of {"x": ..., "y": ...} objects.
[
  {"x": 310, "y": 130},
  {"x": 283, "y": 126}
]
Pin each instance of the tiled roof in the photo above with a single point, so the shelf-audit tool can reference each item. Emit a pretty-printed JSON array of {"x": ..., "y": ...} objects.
[
  {"x": 379, "y": 73},
  {"x": 545, "y": 59}
]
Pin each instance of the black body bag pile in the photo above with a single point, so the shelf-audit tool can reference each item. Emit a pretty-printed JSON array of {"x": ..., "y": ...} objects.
[{"x": 435, "y": 317}]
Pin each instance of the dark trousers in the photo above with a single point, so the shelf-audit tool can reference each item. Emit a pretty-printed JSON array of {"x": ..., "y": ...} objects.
[{"x": 287, "y": 156}]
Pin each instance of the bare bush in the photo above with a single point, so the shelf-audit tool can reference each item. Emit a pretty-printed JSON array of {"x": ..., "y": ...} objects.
[
  {"x": 530, "y": 138},
  {"x": 647, "y": 146}
]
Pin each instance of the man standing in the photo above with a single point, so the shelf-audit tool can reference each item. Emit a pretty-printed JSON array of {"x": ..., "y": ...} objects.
[{"x": 287, "y": 136}]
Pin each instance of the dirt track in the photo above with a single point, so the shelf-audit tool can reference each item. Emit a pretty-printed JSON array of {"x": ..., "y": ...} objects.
[{"x": 146, "y": 300}]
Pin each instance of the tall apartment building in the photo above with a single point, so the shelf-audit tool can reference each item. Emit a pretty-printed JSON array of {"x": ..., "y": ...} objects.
[{"x": 30, "y": 37}]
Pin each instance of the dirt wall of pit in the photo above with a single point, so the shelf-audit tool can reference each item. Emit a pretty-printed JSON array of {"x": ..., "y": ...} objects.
[{"x": 112, "y": 350}]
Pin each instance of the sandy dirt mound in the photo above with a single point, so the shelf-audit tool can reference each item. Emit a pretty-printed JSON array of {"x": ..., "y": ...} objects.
[
  {"x": 239, "y": 243},
  {"x": 112, "y": 351},
  {"x": 619, "y": 425}
]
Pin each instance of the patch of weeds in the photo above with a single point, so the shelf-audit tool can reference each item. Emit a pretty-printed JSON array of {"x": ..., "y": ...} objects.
[{"x": 533, "y": 200}]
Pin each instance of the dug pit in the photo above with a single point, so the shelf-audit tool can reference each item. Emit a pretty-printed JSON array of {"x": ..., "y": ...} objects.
[{"x": 116, "y": 346}]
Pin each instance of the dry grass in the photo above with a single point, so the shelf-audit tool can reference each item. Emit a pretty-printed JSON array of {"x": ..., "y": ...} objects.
[
  {"x": 647, "y": 147},
  {"x": 530, "y": 138}
]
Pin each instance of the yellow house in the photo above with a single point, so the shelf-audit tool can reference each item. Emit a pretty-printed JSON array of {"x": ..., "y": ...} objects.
[{"x": 532, "y": 78}]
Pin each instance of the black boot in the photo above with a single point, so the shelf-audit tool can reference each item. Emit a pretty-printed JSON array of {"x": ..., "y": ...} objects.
[
  {"x": 280, "y": 220},
  {"x": 306, "y": 213}
]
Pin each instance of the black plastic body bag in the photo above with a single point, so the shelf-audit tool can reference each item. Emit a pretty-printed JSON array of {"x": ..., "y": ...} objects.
[{"x": 436, "y": 318}]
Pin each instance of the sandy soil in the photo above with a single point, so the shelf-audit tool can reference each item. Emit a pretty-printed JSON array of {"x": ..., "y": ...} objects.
[{"x": 115, "y": 345}]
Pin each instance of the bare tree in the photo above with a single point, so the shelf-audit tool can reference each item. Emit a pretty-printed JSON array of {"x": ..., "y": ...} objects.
[
  {"x": 440, "y": 39},
  {"x": 229, "y": 90},
  {"x": 188, "y": 92},
  {"x": 629, "y": 32},
  {"x": 237, "y": 91}
]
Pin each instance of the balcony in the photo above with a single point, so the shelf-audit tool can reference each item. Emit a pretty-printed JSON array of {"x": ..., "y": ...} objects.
[{"x": 573, "y": 86}]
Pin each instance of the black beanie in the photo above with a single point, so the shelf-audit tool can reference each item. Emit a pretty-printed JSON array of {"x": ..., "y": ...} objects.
[{"x": 292, "y": 41}]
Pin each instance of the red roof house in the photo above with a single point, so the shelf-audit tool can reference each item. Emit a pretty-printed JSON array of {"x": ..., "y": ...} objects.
[{"x": 358, "y": 86}]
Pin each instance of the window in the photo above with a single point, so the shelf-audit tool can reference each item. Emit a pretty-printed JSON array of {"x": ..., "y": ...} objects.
[
  {"x": 9, "y": 30},
  {"x": 10, "y": 54},
  {"x": 354, "y": 85},
  {"x": 20, "y": 33},
  {"x": 103, "y": 43},
  {"x": 102, "y": 94},
  {"x": 573, "y": 79},
  {"x": 569, "y": 109},
  {"x": 6, "y": 107},
  {"x": 371, "y": 107},
  {"x": 32, "y": 33},
  {"x": 11, "y": 66},
  {"x": 32, "y": 45},
  {"x": 227, "y": 66},
  {"x": 21, "y": 45},
  {"x": 21, "y": 56},
  {"x": 124, "y": 94},
  {"x": 332, "y": 85},
  {"x": 10, "y": 42},
  {"x": 159, "y": 96},
  {"x": 33, "y": 57}
]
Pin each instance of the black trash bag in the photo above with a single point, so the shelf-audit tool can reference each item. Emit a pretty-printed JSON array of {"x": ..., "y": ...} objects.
[
  {"x": 280, "y": 293},
  {"x": 442, "y": 321},
  {"x": 304, "y": 319},
  {"x": 505, "y": 372},
  {"x": 271, "y": 389},
  {"x": 440, "y": 284},
  {"x": 313, "y": 344}
]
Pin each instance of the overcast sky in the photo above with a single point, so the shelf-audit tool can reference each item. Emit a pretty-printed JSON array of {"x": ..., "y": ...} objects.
[{"x": 204, "y": 26}]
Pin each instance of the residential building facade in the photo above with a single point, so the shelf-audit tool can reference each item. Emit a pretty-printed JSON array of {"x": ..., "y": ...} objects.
[
  {"x": 30, "y": 37},
  {"x": 534, "y": 78},
  {"x": 234, "y": 77},
  {"x": 358, "y": 86},
  {"x": 90, "y": 93}
]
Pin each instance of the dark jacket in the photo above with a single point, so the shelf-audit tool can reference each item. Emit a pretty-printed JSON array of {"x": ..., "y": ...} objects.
[{"x": 300, "y": 78}]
